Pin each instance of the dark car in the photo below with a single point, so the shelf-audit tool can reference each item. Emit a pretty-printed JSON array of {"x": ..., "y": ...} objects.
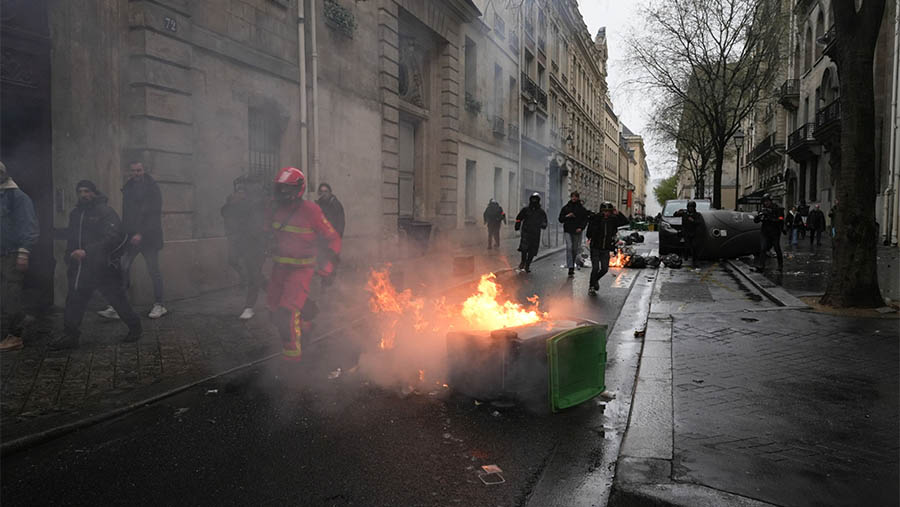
[{"x": 670, "y": 239}]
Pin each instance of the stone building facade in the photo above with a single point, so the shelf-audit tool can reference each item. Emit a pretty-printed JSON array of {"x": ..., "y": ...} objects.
[{"x": 416, "y": 112}]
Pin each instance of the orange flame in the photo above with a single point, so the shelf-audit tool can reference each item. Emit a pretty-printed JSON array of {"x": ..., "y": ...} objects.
[
  {"x": 619, "y": 260},
  {"x": 483, "y": 310},
  {"x": 386, "y": 300}
]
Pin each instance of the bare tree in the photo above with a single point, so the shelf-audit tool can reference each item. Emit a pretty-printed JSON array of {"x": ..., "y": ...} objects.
[
  {"x": 717, "y": 59},
  {"x": 676, "y": 125},
  {"x": 854, "y": 276}
]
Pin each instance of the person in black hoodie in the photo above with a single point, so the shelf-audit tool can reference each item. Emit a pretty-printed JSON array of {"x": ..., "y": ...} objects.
[
  {"x": 772, "y": 218},
  {"x": 493, "y": 217},
  {"x": 531, "y": 220},
  {"x": 95, "y": 245},
  {"x": 574, "y": 217},
  {"x": 601, "y": 235},
  {"x": 142, "y": 221}
]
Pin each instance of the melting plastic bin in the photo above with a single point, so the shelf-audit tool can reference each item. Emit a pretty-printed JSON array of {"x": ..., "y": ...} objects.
[{"x": 549, "y": 365}]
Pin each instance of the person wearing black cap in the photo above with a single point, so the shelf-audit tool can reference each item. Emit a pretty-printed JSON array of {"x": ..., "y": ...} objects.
[
  {"x": 601, "y": 234},
  {"x": 772, "y": 218},
  {"x": 531, "y": 220},
  {"x": 93, "y": 252}
]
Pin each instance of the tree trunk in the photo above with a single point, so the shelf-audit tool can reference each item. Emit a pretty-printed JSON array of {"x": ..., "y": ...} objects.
[
  {"x": 717, "y": 178},
  {"x": 854, "y": 274}
]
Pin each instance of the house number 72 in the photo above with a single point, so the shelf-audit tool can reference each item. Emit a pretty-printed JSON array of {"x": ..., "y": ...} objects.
[{"x": 170, "y": 24}]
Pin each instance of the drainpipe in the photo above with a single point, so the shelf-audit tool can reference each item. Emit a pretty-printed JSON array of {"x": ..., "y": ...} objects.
[
  {"x": 315, "y": 91},
  {"x": 891, "y": 204},
  {"x": 301, "y": 65}
]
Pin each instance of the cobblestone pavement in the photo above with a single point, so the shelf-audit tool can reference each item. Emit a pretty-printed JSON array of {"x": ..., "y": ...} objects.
[
  {"x": 41, "y": 389},
  {"x": 790, "y": 407}
]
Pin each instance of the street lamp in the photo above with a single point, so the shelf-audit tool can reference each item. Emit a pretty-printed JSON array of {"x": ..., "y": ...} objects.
[{"x": 738, "y": 142}]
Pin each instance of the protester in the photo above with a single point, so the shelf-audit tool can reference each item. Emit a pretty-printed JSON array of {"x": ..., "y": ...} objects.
[
  {"x": 691, "y": 222},
  {"x": 601, "y": 235},
  {"x": 831, "y": 217},
  {"x": 772, "y": 218},
  {"x": 816, "y": 224},
  {"x": 574, "y": 217},
  {"x": 803, "y": 211},
  {"x": 331, "y": 208},
  {"x": 142, "y": 221},
  {"x": 793, "y": 224},
  {"x": 18, "y": 236},
  {"x": 95, "y": 246},
  {"x": 244, "y": 228},
  {"x": 297, "y": 226},
  {"x": 493, "y": 217},
  {"x": 530, "y": 220}
]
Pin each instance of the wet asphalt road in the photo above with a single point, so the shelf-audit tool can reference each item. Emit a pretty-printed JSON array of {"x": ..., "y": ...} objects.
[{"x": 281, "y": 435}]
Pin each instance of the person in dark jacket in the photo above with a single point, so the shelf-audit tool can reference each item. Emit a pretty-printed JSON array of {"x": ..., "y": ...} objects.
[
  {"x": 142, "y": 221},
  {"x": 691, "y": 223},
  {"x": 530, "y": 220},
  {"x": 772, "y": 218},
  {"x": 18, "y": 234},
  {"x": 93, "y": 252},
  {"x": 331, "y": 207},
  {"x": 574, "y": 217},
  {"x": 601, "y": 235},
  {"x": 244, "y": 216},
  {"x": 493, "y": 217},
  {"x": 816, "y": 225}
]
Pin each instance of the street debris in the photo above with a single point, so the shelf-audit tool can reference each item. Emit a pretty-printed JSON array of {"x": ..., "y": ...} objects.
[
  {"x": 640, "y": 333},
  {"x": 652, "y": 261},
  {"x": 477, "y": 403},
  {"x": 672, "y": 261},
  {"x": 607, "y": 396},
  {"x": 181, "y": 411},
  {"x": 495, "y": 413},
  {"x": 335, "y": 374},
  {"x": 212, "y": 391},
  {"x": 491, "y": 469},
  {"x": 211, "y": 421},
  {"x": 749, "y": 319},
  {"x": 491, "y": 475},
  {"x": 697, "y": 381}
]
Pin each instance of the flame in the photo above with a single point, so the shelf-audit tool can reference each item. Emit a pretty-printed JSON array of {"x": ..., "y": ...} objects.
[
  {"x": 619, "y": 260},
  {"x": 483, "y": 310},
  {"x": 393, "y": 305}
]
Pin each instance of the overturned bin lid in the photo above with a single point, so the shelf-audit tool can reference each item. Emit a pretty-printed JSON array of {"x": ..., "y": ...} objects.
[{"x": 577, "y": 366}]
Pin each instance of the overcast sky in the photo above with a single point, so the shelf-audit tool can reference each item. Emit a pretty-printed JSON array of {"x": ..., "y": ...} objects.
[{"x": 620, "y": 17}]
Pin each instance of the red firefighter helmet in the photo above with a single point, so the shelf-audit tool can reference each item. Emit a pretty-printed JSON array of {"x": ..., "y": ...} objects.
[{"x": 290, "y": 183}]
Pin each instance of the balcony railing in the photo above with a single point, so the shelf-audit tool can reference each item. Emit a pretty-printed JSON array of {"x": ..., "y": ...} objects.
[
  {"x": 804, "y": 134},
  {"x": 829, "y": 115},
  {"x": 499, "y": 126},
  {"x": 789, "y": 95},
  {"x": 829, "y": 39},
  {"x": 541, "y": 99},
  {"x": 767, "y": 147},
  {"x": 529, "y": 87}
]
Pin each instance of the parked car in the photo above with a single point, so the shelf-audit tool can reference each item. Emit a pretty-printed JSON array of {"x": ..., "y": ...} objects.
[{"x": 670, "y": 239}]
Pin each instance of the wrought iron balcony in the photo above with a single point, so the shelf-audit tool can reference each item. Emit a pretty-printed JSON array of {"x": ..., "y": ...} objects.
[
  {"x": 767, "y": 151},
  {"x": 499, "y": 126},
  {"x": 789, "y": 95},
  {"x": 802, "y": 143},
  {"x": 542, "y": 100},
  {"x": 830, "y": 41},
  {"x": 828, "y": 122},
  {"x": 529, "y": 87}
]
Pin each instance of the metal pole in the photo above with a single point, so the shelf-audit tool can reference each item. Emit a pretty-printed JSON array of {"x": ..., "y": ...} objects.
[{"x": 737, "y": 177}]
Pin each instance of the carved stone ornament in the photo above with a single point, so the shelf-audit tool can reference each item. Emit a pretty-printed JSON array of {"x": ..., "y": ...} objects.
[{"x": 411, "y": 80}]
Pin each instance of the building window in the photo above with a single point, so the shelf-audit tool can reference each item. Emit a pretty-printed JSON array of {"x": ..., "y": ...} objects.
[
  {"x": 513, "y": 101},
  {"x": 499, "y": 26},
  {"x": 470, "y": 191},
  {"x": 809, "y": 49},
  {"x": 264, "y": 138},
  {"x": 498, "y": 91},
  {"x": 498, "y": 182},
  {"x": 471, "y": 69}
]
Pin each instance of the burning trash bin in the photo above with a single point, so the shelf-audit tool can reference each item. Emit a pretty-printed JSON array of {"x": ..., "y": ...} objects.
[{"x": 550, "y": 364}]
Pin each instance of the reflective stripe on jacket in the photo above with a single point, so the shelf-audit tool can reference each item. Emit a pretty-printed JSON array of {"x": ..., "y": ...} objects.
[{"x": 296, "y": 228}]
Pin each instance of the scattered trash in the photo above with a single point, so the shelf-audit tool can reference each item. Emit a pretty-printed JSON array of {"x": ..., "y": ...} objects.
[
  {"x": 652, "y": 261},
  {"x": 495, "y": 413},
  {"x": 491, "y": 469},
  {"x": 212, "y": 391},
  {"x": 607, "y": 396},
  {"x": 477, "y": 403},
  {"x": 211, "y": 421},
  {"x": 639, "y": 333},
  {"x": 446, "y": 435},
  {"x": 181, "y": 411},
  {"x": 749, "y": 319},
  {"x": 491, "y": 479},
  {"x": 672, "y": 261},
  {"x": 335, "y": 374},
  {"x": 636, "y": 262},
  {"x": 698, "y": 381}
]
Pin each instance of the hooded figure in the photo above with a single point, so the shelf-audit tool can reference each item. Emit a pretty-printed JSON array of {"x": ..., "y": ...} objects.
[
  {"x": 531, "y": 220},
  {"x": 816, "y": 225},
  {"x": 493, "y": 217}
]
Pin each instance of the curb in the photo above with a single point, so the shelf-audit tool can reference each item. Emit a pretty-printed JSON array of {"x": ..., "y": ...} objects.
[
  {"x": 776, "y": 294},
  {"x": 28, "y": 441}
]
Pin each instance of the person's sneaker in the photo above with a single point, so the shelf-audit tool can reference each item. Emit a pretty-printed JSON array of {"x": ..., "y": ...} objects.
[
  {"x": 132, "y": 336},
  {"x": 11, "y": 343},
  {"x": 247, "y": 314},
  {"x": 157, "y": 311},
  {"x": 571, "y": 272},
  {"x": 109, "y": 313},
  {"x": 592, "y": 291},
  {"x": 64, "y": 342}
]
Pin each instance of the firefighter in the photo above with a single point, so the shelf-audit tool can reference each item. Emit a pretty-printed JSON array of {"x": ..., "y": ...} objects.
[{"x": 296, "y": 226}]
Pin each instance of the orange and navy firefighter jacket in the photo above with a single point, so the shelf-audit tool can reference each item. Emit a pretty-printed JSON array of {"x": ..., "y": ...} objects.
[{"x": 296, "y": 229}]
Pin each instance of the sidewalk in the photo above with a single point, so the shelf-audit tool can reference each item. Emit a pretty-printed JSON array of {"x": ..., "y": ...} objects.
[
  {"x": 742, "y": 401},
  {"x": 44, "y": 392}
]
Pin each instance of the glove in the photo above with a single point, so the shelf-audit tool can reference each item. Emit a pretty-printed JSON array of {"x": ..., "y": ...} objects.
[{"x": 518, "y": 226}]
